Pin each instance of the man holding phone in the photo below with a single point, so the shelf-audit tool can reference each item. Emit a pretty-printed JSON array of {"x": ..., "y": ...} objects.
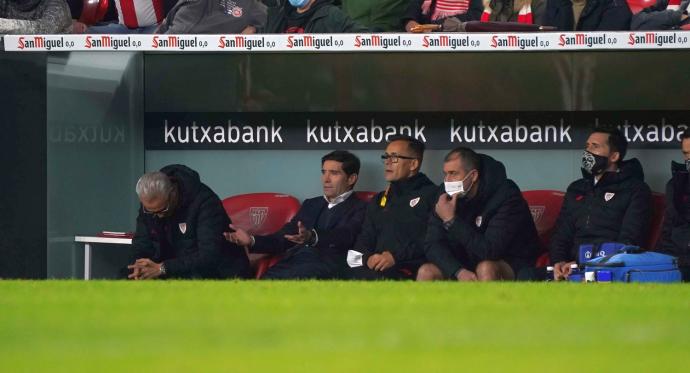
[{"x": 481, "y": 228}]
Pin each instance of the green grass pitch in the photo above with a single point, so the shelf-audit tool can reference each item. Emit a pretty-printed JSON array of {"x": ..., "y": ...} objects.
[{"x": 235, "y": 326}]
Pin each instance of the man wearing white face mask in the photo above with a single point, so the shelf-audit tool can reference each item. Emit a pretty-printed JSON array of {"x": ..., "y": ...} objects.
[
  {"x": 482, "y": 228},
  {"x": 309, "y": 16},
  {"x": 611, "y": 203}
]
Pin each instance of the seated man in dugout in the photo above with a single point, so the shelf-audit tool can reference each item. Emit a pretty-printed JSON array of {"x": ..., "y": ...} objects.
[
  {"x": 180, "y": 230},
  {"x": 481, "y": 228},
  {"x": 675, "y": 236},
  {"x": 391, "y": 245},
  {"x": 315, "y": 242},
  {"x": 610, "y": 203}
]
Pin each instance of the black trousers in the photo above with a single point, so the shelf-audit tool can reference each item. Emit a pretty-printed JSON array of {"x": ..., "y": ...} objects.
[
  {"x": 305, "y": 263},
  {"x": 407, "y": 271}
]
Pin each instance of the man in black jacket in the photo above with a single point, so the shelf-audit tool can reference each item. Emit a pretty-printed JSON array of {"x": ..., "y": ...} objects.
[
  {"x": 481, "y": 228},
  {"x": 611, "y": 203},
  {"x": 180, "y": 230},
  {"x": 675, "y": 236},
  {"x": 392, "y": 240},
  {"x": 316, "y": 240},
  {"x": 588, "y": 15}
]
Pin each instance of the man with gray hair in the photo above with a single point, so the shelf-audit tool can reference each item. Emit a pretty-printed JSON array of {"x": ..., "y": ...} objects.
[{"x": 180, "y": 230}]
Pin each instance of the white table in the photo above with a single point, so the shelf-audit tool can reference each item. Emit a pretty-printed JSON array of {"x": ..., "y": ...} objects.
[{"x": 88, "y": 240}]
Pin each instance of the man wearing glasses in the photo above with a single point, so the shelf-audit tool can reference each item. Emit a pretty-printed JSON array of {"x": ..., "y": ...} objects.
[
  {"x": 180, "y": 230},
  {"x": 392, "y": 238}
]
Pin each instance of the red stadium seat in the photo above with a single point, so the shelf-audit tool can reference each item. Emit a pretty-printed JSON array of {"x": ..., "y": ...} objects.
[
  {"x": 365, "y": 196},
  {"x": 93, "y": 11},
  {"x": 261, "y": 214},
  {"x": 545, "y": 205},
  {"x": 637, "y": 5},
  {"x": 657, "y": 220}
]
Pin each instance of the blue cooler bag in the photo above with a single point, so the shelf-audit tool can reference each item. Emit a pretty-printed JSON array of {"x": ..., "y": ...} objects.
[{"x": 633, "y": 266}]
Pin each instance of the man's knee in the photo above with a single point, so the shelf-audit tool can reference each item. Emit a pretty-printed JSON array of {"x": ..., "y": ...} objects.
[
  {"x": 429, "y": 272},
  {"x": 489, "y": 270}
]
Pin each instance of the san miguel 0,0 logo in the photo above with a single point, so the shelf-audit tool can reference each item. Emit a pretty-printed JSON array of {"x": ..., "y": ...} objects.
[
  {"x": 40, "y": 42},
  {"x": 177, "y": 42},
  {"x": 242, "y": 42},
  {"x": 377, "y": 41},
  {"x": 653, "y": 38},
  {"x": 515, "y": 41},
  {"x": 445, "y": 41},
  {"x": 309, "y": 41},
  {"x": 107, "y": 41},
  {"x": 581, "y": 40}
]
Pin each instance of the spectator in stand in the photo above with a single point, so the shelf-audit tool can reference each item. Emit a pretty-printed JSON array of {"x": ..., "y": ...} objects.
[
  {"x": 135, "y": 17},
  {"x": 664, "y": 15},
  {"x": 588, "y": 15},
  {"x": 448, "y": 14},
  {"x": 520, "y": 11},
  {"x": 309, "y": 16},
  {"x": 79, "y": 7},
  {"x": 377, "y": 15},
  {"x": 214, "y": 17},
  {"x": 34, "y": 17}
]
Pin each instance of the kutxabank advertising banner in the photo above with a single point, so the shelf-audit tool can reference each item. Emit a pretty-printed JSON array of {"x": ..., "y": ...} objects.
[{"x": 439, "y": 130}]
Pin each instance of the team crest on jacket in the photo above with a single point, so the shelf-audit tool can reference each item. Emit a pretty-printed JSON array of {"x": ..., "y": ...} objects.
[
  {"x": 608, "y": 196},
  {"x": 478, "y": 221},
  {"x": 183, "y": 227},
  {"x": 237, "y": 12},
  {"x": 414, "y": 201}
]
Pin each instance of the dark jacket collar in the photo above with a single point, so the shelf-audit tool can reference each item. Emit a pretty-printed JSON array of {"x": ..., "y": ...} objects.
[
  {"x": 628, "y": 170},
  {"x": 413, "y": 183}
]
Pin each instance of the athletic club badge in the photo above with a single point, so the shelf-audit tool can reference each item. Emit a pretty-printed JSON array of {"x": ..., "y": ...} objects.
[
  {"x": 608, "y": 196},
  {"x": 414, "y": 201},
  {"x": 237, "y": 12},
  {"x": 478, "y": 221},
  {"x": 183, "y": 227}
]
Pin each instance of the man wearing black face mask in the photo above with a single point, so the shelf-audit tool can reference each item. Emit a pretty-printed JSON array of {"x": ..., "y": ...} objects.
[
  {"x": 485, "y": 230},
  {"x": 675, "y": 237},
  {"x": 611, "y": 203},
  {"x": 180, "y": 230}
]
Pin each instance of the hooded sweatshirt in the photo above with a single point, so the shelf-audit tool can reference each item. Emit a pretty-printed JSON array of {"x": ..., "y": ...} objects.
[{"x": 495, "y": 224}]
